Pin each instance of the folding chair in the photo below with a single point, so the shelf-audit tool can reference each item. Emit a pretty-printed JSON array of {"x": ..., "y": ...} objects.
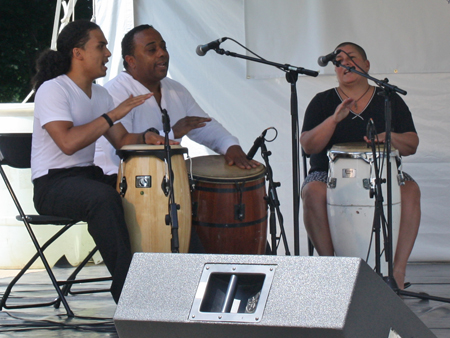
[
  {"x": 15, "y": 151},
  {"x": 305, "y": 173}
]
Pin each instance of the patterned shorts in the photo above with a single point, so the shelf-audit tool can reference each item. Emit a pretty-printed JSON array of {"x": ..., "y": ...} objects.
[{"x": 322, "y": 176}]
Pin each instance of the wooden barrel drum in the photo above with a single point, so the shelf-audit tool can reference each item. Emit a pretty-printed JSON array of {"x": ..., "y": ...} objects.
[
  {"x": 229, "y": 208},
  {"x": 140, "y": 179}
]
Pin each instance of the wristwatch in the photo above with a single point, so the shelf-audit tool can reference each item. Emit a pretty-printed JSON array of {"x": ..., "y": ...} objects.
[{"x": 153, "y": 130}]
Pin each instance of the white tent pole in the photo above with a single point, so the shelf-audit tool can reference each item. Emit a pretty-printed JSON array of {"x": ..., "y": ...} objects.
[
  {"x": 94, "y": 19},
  {"x": 56, "y": 25},
  {"x": 68, "y": 8}
]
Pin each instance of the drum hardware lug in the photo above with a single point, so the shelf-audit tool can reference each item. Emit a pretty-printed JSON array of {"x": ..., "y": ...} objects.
[
  {"x": 144, "y": 181},
  {"x": 366, "y": 183},
  {"x": 239, "y": 209},
  {"x": 194, "y": 209},
  {"x": 167, "y": 219},
  {"x": 331, "y": 182},
  {"x": 123, "y": 186},
  {"x": 401, "y": 179},
  {"x": 165, "y": 186},
  {"x": 239, "y": 212},
  {"x": 192, "y": 184}
]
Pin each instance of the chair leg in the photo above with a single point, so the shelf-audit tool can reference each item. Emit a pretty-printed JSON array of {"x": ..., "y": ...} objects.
[
  {"x": 305, "y": 173},
  {"x": 310, "y": 247},
  {"x": 49, "y": 271},
  {"x": 38, "y": 248},
  {"x": 71, "y": 279}
]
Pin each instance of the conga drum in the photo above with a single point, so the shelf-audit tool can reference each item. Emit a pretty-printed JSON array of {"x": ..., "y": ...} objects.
[
  {"x": 228, "y": 204},
  {"x": 350, "y": 206},
  {"x": 140, "y": 182}
]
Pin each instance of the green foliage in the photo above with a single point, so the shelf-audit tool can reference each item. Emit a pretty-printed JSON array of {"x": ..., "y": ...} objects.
[{"x": 26, "y": 28}]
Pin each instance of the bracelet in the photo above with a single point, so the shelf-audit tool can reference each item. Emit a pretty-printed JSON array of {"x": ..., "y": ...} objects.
[
  {"x": 108, "y": 119},
  {"x": 153, "y": 130}
]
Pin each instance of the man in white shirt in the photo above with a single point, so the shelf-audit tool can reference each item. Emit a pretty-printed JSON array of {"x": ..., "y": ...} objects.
[
  {"x": 70, "y": 114},
  {"x": 146, "y": 63}
]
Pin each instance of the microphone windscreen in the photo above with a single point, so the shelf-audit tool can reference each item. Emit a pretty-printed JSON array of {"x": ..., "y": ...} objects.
[{"x": 199, "y": 51}]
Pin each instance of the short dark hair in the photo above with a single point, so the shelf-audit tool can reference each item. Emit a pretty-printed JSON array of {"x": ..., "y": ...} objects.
[
  {"x": 51, "y": 63},
  {"x": 128, "y": 42},
  {"x": 357, "y": 47}
]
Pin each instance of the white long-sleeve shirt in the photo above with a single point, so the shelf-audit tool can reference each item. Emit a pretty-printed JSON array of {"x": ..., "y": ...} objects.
[{"x": 178, "y": 102}]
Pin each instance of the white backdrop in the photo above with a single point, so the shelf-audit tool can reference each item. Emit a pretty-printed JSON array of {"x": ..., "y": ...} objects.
[{"x": 405, "y": 41}]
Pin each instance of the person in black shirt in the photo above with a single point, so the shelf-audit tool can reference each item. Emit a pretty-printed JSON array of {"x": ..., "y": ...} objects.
[{"x": 340, "y": 115}]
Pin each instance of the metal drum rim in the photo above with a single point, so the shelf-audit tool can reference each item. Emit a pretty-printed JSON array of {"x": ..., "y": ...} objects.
[{"x": 147, "y": 149}]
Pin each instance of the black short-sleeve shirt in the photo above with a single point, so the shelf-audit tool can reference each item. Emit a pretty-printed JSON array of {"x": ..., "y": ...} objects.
[{"x": 353, "y": 128}]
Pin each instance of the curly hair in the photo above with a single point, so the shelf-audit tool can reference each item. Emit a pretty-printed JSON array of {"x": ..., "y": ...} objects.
[
  {"x": 128, "y": 42},
  {"x": 51, "y": 63}
]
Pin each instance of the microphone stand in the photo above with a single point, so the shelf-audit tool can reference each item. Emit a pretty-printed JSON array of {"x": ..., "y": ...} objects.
[
  {"x": 172, "y": 216},
  {"x": 379, "y": 221},
  {"x": 388, "y": 91},
  {"x": 274, "y": 204},
  {"x": 291, "y": 76}
]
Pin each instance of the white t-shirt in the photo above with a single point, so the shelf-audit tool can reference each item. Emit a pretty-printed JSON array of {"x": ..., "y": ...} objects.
[
  {"x": 60, "y": 99},
  {"x": 178, "y": 102}
]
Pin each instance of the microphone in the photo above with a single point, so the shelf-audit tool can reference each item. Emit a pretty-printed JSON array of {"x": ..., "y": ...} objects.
[
  {"x": 203, "y": 49},
  {"x": 258, "y": 142},
  {"x": 323, "y": 60}
]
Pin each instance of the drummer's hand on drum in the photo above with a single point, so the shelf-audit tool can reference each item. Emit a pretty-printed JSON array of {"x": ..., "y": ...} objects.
[
  {"x": 153, "y": 138},
  {"x": 343, "y": 109},
  {"x": 379, "y": 138},
  {"x": 186, "y": 124},
  {"x": 405, "y": 143},
  {"x": 235, "y": 155}
]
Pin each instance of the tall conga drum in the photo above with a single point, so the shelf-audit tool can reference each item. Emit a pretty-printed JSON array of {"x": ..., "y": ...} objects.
[
  {"x": 228, "y": 205},
  {"x": 140, "y": 182},
  {"x": 349, "y": 203}
]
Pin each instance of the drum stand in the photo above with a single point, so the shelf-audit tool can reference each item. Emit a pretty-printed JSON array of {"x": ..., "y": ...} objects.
[
  {"x": 388, "y": 90},
  {"x": 274, "y": 204},
  {"x": 291, "y": 76},
  {"x": 167, "y": 186}
]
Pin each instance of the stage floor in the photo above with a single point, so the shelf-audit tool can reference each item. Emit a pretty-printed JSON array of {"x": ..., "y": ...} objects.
[{"x": 94, "y": 312}]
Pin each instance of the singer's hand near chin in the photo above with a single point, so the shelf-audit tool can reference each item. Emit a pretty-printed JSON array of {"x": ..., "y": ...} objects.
[
  {"x": 236, "y": 156},
  {"x": 343, "y": 109}
]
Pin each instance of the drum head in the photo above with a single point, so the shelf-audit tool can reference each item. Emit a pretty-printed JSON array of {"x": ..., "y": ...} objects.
[
  {"x": 357, "y": 150},
  {"x": 215, "y": 168},
  {"x": 148, "y": 150},
  {"x": 149, "y": 147}
]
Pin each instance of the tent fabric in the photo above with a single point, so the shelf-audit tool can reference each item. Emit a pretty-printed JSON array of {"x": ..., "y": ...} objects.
[
  {"x": 399, "y": 36},
  {"x": 404, "y": 41}
]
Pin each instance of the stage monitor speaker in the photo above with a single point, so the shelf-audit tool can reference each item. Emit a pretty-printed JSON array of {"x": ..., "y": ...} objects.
[{"x": 222, "y": 296}]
